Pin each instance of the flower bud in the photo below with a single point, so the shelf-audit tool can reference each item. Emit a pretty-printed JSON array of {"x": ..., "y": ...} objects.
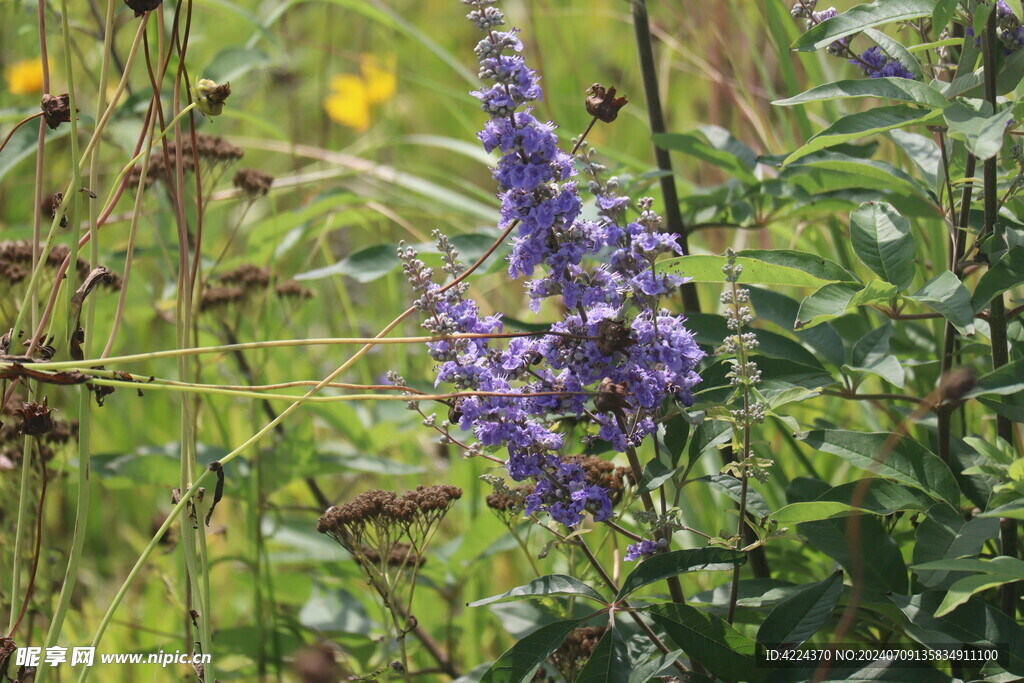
[{"x": 210, "y": 96}]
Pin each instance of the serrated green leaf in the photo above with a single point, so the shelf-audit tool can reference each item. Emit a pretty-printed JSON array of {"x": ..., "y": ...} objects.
[
  {"x": 545, "y": 586},
  {"x": 945, "y": 294},
  {"x": 608, "y": 662},
  {"x": 521, "y": 661},
  {"x": 862, "y": 17},
  {"x": 890, "y": 455},
  {"x": 902, "y": 89},
  {"x": 799, "y": 616},
  {"x": 710, "y": 641},
  {"x": 883, "y": 242},
  {"x": 663, "y": 565}
]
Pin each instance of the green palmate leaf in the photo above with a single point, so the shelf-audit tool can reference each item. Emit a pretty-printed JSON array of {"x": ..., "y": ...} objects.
[
  {"x": 862, "y": 124},
  {"x": 892, "y": 456},
  {"x": 710, "y": 641},
  {"x": 878, "y": 496},
  {"x": 860, "y": 18},
  {"x": 882, "y": 241},
  {"x": 973, "y": 623},
  {"x": 902, "y": 89},
  {"x": 704, "y": 268},
  {"x": 609, "y": 661},
  {"x": 945, "y": 294},
  {"x": 945, "y": 534},
  {"x": 545, "y": 586},
  {"x": 837, "y": 299},
  {"x": 973, "y": 122},
  {"x": 521, "y": 661},
  {"x": 897, "y": 51},
  {"x": 799, "y": 616},
  {"x": 1006, "y": 273},
  {"x": 871, "y": 354},
  {"x": 798, "y": 513},
  {"x": 663, "y": 565},
  {"x": 364, "y": 265},
  {"x": 715, "y": 146},
  {"x": 861, "y": 545}
]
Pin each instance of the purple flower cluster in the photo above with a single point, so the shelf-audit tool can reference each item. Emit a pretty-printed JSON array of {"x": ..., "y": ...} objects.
[
  {"x": 637, "y": 550},
  {"x": 877, "y": 64},
  {"x": 614, "y": 334}
]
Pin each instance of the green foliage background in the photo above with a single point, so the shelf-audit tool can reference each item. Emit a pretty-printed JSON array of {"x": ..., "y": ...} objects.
[{"x": 868, "y": 315}]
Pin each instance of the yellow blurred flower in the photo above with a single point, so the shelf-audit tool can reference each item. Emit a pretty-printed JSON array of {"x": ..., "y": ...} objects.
[
  {"x": 352, "y": 97},
  {"x": 25, "y": 77}
]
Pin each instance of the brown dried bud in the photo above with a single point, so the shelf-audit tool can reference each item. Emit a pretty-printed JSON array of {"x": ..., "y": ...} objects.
[
  {"x": 612, "y": 336},
  {"x": 603, "y": 104},
  {"x": 253, "y": 183},
  {"x": 143, "y": 6},
  {"x": 56, "y": 109},
  {"x": 50, "y": 204},
  {"x": 36, "y": 418},
  {"x": 611, "y": 397},
  {"x": 956, "y": 383}
]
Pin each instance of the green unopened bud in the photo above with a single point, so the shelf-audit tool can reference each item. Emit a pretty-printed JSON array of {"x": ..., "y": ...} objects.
[{"x": 210, "y": 96}]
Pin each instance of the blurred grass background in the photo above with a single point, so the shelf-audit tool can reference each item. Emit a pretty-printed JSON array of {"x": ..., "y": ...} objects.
[{"x": 410, "y": 164}]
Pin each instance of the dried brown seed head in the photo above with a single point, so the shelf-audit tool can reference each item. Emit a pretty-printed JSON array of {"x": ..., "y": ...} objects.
[
  {"x": 56, "y": 109},
  {"x": 36, "y": 418},
  {"x": 603, "y": 104},
  {"x": 253, "y": 183}
]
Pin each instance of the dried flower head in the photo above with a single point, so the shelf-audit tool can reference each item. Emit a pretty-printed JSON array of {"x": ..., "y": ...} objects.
[
  {"x": 142, "y": 6},
  {"x": 252, "y": 182},
  {"x": 603, "y": 104},
  {"x": 36, "y": 418},
  {"x": 56, "y": 109}
]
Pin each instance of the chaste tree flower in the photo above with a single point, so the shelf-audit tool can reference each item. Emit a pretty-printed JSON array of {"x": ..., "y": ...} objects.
[{"x": 614, "y": 335}]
